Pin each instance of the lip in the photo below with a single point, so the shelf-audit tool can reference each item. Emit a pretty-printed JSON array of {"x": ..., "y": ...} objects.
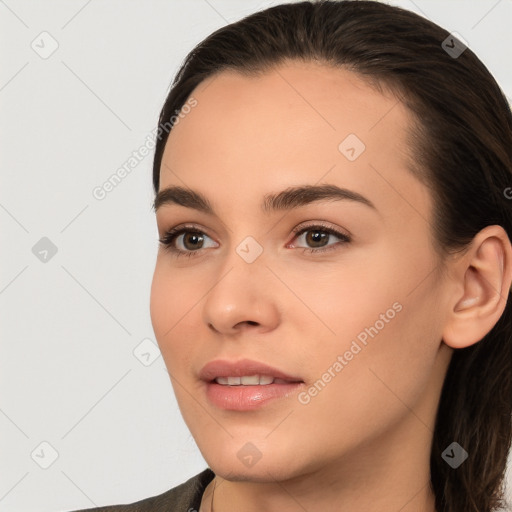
[
  {"x": 225, "y": 368},
  {"x": 245, "y": 398}
]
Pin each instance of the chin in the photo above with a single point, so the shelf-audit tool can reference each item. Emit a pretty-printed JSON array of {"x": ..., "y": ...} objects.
[
  {"x": 243, "y": 461},
  {"x": 261, "y": 473}
]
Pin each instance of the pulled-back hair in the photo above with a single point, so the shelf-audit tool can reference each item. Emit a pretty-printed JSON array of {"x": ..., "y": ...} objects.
[{"x": 461, "y": 140}]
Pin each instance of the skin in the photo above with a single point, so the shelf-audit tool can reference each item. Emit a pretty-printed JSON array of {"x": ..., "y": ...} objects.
[{"x": 363, "y": 442}]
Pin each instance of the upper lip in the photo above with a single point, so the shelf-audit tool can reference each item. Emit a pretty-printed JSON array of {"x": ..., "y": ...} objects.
[{"x": 225, "y": 368}]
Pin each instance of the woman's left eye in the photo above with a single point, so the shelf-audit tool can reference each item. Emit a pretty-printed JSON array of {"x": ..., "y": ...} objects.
[
  {"x": 318, "y": 235},
  {"x": 192, "y": 239}
]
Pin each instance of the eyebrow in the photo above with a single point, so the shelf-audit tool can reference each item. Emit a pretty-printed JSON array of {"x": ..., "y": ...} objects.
[{"x": 288, "y": 199}]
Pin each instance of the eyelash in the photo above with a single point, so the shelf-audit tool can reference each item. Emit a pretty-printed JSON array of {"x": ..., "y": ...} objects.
[{"x": 170, "y": 236}]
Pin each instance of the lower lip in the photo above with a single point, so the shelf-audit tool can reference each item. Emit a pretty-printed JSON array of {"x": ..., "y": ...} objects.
[{"x": 246, "y": 398}]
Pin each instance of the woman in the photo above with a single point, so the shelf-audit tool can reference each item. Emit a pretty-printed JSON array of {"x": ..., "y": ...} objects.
[{"x": 331, "y": 293}]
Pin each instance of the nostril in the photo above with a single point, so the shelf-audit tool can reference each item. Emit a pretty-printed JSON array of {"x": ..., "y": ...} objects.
[{"x": 210, "y": 325}]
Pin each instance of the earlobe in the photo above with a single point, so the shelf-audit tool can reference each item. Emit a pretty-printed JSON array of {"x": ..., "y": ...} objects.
[{"x": 485, "y": 276}]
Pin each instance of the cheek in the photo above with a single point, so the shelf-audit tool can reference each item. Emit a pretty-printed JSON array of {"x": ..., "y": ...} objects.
[
  {"x": 338, "y": 299},
  {"x": 375, "y": 314},
  {"x": 162, "y": 302},
  {"x": 173, "y": 301},
  {"x": 377, "y": 383}
]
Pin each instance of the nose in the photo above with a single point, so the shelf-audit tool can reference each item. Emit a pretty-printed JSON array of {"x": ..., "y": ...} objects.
[{"x": 242, "y": 298}]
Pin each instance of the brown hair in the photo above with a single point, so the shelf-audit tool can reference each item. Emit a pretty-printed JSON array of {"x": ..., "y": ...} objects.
[{"x": 462, "y": 146}]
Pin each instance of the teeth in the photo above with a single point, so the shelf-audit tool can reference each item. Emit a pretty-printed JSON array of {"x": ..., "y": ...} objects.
[
  {"x": 252, "y": 380},
  {"x": 249, "y": 380},
  {"x": 266, "y": 379}
]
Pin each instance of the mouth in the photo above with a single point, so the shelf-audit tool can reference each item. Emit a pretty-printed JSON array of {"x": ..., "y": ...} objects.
[
  {"x": 246, "y": 385},
  {"x": 250, "y": 380}
]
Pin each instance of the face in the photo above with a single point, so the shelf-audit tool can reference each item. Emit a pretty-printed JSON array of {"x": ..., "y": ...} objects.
[{"x": 338, "y": 290}]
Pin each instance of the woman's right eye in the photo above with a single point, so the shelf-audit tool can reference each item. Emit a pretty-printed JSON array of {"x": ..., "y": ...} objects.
[{"x": 185, "y": 241}]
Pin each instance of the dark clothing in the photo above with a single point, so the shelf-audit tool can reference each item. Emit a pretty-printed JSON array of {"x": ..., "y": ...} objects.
[{"x": 185, "y": 497}]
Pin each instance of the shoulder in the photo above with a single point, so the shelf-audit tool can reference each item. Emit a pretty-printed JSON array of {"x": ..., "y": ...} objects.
[{"x": 185, "y": 497}]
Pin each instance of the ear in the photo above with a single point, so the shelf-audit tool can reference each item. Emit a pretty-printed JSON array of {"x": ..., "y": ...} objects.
[{"x": 482, "y": 287}]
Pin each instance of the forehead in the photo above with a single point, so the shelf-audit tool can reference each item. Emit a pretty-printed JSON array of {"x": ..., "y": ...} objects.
[
  {"x": 298, "y": 123},
  {"x": 325, "y": 97}
]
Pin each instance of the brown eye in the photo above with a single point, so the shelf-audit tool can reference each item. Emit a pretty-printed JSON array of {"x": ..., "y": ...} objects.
[
  {"x": 317, "y": 238},
  {"x": 184, "y": 241},
  {"x": 192, "y": 241}
]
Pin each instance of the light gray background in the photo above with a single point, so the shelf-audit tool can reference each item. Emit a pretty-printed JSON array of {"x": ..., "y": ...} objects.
[{"x": 69, "y": 326}]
